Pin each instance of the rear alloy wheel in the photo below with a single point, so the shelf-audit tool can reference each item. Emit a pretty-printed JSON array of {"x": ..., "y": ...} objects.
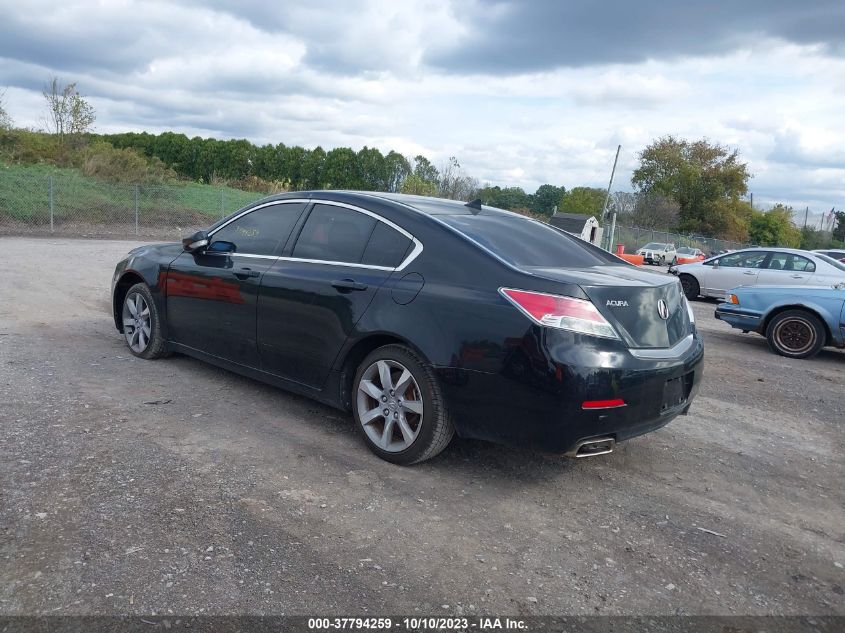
[
  {"x": 690, "y": 286},
  {"x": 141, "y": 324},
  {"x": 398, "y": 406},
  {"x": 796, "y": 334}
]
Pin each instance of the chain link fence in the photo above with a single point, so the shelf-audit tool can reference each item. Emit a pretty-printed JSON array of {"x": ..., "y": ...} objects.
[
  {"x": 633, "y": 238},
  {"x": 69, "y": 205}
]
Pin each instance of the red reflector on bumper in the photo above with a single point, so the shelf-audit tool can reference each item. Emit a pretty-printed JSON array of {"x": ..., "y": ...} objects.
[{"x": 602, "y": 404}]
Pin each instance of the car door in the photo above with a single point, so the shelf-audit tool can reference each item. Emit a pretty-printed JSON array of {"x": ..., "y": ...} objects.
[
  {"x": 311, "y": 298},
  {"x": 786, "y": 269},
  {"x": 211, "y": 294},
  {"x": 733, "y": 270}
]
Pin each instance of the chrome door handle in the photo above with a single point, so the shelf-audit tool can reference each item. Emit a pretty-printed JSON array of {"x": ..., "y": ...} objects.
[
  {"x": 749, "y": 272},
  {"x": 797, "y": 276}
]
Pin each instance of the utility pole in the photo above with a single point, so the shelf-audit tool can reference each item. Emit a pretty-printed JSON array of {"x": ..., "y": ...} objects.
[
  {"x": 806, "y": 213},
  {"x": 607, "y": 200}
]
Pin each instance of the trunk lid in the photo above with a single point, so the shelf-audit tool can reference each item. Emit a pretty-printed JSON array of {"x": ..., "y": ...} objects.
[{"x": 629, "y": 298}]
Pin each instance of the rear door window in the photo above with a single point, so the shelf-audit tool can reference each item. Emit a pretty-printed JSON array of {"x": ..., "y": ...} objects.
[
  {"x": 387, "y": 247},
  {"x": 334, "y": 234}
]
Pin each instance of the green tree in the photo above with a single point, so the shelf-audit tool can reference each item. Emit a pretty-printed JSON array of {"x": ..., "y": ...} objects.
[
  {"x": 424, "y": 170},
  {"x": 774, "y": 227},
  {"x": 812, "y": 239},
  {"x": 698, "y": 175},
  {"x": 508, "y": 198},
  {"x": 546, "y": 198},
  {"x": 584, "y": 200},
  {"x": 416, "y": 185},
  {"x": 839, "y": 228},
  {"x": 398, "y": 168}
]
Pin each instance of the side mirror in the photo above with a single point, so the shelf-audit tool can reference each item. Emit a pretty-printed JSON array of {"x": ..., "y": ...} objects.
[
  {"x": 716, "y": 264},
  {"x": 195, "y": 242}
]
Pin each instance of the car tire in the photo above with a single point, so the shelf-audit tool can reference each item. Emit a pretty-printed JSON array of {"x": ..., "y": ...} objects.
[
  {"x": 408, "y": 433},
  {"x": 142, "y": 326},
  {"x": 690, "y": 286},
  {"x": 796, "y": 334}
]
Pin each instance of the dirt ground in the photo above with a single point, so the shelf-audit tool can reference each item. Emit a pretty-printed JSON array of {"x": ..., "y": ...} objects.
[{"x": 172, "y": 487}]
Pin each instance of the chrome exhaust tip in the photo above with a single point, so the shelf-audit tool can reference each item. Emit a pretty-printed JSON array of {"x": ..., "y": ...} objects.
[{"x": 592, "y": 447}]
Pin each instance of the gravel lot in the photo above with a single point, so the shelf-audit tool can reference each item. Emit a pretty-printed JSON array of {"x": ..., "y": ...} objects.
[{"x": 159, "y": 487}]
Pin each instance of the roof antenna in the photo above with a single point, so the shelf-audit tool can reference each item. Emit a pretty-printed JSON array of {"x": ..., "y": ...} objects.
[{"x": 474, "y": 205}]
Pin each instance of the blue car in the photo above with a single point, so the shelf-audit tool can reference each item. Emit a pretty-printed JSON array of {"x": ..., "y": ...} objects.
[{"x": 797, "y": 321}]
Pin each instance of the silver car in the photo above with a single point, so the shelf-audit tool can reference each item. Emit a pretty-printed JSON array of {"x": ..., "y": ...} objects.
[
  {"x": 657, "y": 253},
  {"x": 714, "y": 277}
]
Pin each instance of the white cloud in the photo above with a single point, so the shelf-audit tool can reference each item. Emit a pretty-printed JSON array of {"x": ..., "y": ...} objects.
[{"x": 327, "y": 74}]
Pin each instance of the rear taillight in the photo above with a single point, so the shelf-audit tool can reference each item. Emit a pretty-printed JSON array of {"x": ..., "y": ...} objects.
[{"x": 565, "y": 313}]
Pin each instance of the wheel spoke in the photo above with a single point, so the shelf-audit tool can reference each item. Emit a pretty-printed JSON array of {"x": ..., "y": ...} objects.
[
  {"x": 407, "y": 431},
  {"x": 387, "y": 432},
  {"x": 145, "y": 329},
  {"x": 369, "y": 388},
  {"x": 145, "y": 313},
  {"x": 133, "y": 310},
  {"x": 371, "y": 415},
  {"x": 142, "y": 340},
  {"x": 128, "y": 323},
  {"x": 403, "y": 382},
  {"x": 139, "y": 304},
  {"x": 384, "y": 375},
  {"x": 414, "y": 406}
]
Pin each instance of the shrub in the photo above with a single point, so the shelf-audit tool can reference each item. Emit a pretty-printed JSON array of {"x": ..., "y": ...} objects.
[{"x": 123, "y": 165}]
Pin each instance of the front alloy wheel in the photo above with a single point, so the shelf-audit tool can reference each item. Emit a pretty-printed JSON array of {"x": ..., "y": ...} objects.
[
  {"x": 141, "y": 323},
  {"x": 136, "y": 322},
  {"x": 398, "y": 406}
]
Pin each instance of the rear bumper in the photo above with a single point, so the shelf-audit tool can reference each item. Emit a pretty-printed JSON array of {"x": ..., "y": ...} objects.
[{"x": 536, "y": 400}]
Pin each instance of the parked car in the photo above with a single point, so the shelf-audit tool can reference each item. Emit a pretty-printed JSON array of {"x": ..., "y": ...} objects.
[
  {"x": 714, "y": 277},
  {"x": 834, "y": 253},
  {"x": 796, "y": 321},
  {"x": 425, "y": 318},
  {"x": 688, "y": 255},
  {"x": 657, "y": 253}
]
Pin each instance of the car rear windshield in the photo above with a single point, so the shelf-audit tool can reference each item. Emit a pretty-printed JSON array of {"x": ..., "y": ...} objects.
[
  {"x": 655, "y": 246},
  {"x": 525, "y": 242},
  {"x": 831, "y": 261}
]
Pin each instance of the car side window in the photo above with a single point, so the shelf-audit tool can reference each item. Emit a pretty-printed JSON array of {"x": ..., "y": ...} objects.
[
  {"x": 800, "y": 264},
  {"x": 262, "y": 231},
  {"x": 387, "y": 247},
  {"x": 778, "y": 261},
  {"x": 731, "y": 261},
  {"x": 334, "y": 234},
  {"x": 753, "y": 260}
]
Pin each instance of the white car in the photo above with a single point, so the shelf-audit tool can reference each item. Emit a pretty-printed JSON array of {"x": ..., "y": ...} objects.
[
  {"x": 835, "y": 253},
  {"x": 714, "y": 277},
  {"x": 657, "y": 253}
]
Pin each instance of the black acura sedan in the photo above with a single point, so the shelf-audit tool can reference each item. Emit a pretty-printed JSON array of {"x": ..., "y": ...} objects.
[{"x": 425, "y": 318}]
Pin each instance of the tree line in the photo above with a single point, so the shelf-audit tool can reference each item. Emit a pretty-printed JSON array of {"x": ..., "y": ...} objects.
[{"x": 692, "y": 187}]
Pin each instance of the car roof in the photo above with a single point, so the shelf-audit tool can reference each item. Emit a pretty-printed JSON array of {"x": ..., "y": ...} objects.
[{"x": 767, "y": 249}]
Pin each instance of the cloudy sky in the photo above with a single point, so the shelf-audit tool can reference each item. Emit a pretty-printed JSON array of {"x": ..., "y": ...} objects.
[{"x": 522, "y": 92}]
